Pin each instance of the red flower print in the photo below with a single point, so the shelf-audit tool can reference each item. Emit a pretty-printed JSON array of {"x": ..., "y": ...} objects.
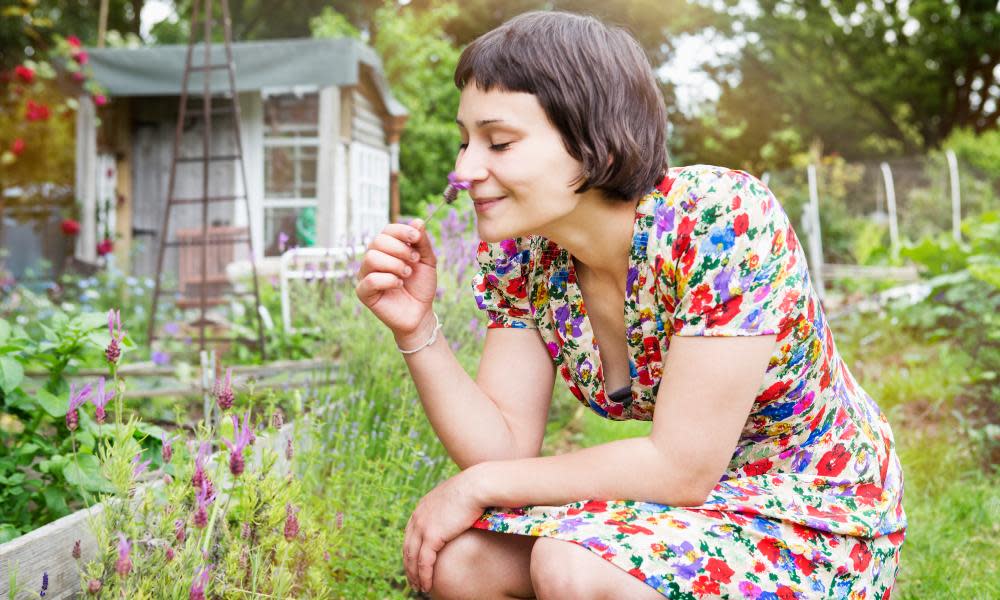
[
  {"x": 771, "y": 548},
  {"x": 637, "y": 573},
  {"x": 737, "y": 202},
  {"x": 758, "y": 467},
  {"x": 833, "y": 461},
  {"x": 628, "y": 528},
  {"x": 785, "y": 593},
  {"x": 719, "y": 570},
  {"x": 804, "y": 564},
  {"x": 702, "y": 296},
  {"x": 806, "y": 533},
  {"x": 741, "y": 224},
  {"x": 861, "y": 556},
  {"x": 777, "y": 390},
  {"x": 704, "y": 586},
  {"x": 25, "y": 74},
  {"x": 896, "y": 537},
  {"x": 665, "y": 185},
  {"x": 517, "y": 287},
  {"x": 36, "y": 112},
  {"x": 725, "y": 312},
  {"x": 683, "y": 241}
]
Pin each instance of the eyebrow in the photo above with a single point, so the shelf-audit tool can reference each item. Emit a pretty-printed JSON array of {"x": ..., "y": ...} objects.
[{"x": 481, "y": 122}]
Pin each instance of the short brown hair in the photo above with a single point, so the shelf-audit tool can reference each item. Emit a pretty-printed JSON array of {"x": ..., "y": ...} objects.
[{"x": 595, "y": 85}]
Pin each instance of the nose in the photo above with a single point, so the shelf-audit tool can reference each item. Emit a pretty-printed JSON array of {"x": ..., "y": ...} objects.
[{"x": 470, "y": 164}]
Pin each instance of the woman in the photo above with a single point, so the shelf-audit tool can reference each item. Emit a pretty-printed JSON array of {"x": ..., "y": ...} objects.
[{"x": 768, "y": 472}]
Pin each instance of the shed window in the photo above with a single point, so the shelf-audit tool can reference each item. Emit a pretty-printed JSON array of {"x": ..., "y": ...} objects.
[{"x": 291, "y": 150}]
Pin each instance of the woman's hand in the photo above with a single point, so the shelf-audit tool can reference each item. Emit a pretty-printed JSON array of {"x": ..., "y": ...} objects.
[
  {"x": 397, "y": 279},
  {"x": 445, "y": 512}
]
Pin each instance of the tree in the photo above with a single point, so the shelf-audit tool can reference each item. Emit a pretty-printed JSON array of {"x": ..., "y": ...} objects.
[{"x": 866, "y": 79}]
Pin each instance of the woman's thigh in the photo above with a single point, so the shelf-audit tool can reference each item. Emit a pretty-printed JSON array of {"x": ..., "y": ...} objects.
[
  {"x": 561, "y": 569},
  {"x": 484, "y": 564}
]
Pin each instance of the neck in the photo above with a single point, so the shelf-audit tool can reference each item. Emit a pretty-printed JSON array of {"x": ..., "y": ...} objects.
[{"x": 598, "y": 234}]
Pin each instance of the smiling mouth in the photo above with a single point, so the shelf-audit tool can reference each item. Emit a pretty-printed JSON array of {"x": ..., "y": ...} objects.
[{"x": 489, "y": 200}]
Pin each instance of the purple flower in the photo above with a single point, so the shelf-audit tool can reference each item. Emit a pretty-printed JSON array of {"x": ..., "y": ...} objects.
[
  {"x": 101, "y": 400},
  {"x": 167, "y": 449},
  {"x": 45, "y": 585},
  {"x": 453, "y": 180},
  {"x": 224, "y": 391},
  {"x": 241, "y": 437},
  {"x": 199, "y": 466},
  {"x": 113, "y": 352},
  {"x": 124, "y": 564},
  {"x": 179, "y": 531},
  {"x": 139, "y": 466},
  {"x": 160, "y": 358},
  {"x": 291, "y": 522},
  {"x": 76, "y": 549},
  {"x": 76, "y": 400},
  {"x": 204, "y": 497},
  {"x": 171, "y": 328},
  {"x": 199, "y": 582},
  {"x": 282, "y": 241}
]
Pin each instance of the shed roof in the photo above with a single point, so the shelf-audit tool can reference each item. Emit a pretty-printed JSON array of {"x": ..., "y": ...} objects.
[{"x": 158, "y": 70}]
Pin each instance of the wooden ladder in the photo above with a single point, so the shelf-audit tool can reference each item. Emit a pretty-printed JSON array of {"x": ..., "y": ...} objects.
[{"x": 204, "y": 252}]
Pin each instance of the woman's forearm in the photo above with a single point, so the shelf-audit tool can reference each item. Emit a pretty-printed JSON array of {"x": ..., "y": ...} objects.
[
  {"x": 630, "y": 469},
  {"x": 469, "y": 424}
]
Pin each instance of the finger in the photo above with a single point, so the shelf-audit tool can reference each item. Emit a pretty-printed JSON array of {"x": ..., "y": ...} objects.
[
  {"x": 394, "y": 246},
  {"x": 410, "y": 550},
  {"x": 404, "y": 232},
  {"x": 425, "y": 563},
  {"x": 377, "y": 261},
  {"x": 374, "y": 285},
  {"x": 423, "y": 244}
]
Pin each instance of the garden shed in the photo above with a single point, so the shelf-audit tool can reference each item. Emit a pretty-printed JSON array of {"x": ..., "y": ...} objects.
[{"x": 320, "y": 135}]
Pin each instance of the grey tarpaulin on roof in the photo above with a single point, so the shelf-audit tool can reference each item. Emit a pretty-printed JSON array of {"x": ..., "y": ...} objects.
[{"x": 158, "y": 70}]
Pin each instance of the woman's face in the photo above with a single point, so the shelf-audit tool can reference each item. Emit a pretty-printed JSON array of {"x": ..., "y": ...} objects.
[{"x": 522, "y": 177}]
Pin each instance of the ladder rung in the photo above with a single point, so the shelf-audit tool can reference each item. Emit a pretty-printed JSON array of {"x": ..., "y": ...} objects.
[
  {"x": 211, "y": 67},
  {"x": 208, "y": 242},
  {"x": 209, "y": 199},
  {"x": 215, "y": 158}
]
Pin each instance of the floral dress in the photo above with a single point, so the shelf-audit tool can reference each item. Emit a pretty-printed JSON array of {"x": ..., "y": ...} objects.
[{"x": 810, "y": 504}]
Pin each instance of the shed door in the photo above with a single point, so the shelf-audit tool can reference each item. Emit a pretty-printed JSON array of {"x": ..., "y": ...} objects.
[{"x": 369, "y": 190}]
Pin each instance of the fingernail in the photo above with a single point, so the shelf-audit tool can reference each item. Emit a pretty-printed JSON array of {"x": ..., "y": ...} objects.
[
  {"x": 407, "y": 271},
  {"x": 415, "y": 256}
]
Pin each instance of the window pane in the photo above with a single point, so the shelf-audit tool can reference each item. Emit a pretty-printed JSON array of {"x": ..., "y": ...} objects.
[
  {"x": 288, "y": 115},
  {"x": 279, "y": 172},
  {"x": 286, "y": 228}
]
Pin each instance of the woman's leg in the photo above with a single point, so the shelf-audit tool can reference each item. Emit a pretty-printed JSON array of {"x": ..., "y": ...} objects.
[
  {"x": 483, "y": 564},
  {"x": 561, "y": 569}
]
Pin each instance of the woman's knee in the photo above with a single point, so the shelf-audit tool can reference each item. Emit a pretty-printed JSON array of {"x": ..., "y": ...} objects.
[
  {"x": 554, "y": 570},
  {"x": 481, "y": 564}
]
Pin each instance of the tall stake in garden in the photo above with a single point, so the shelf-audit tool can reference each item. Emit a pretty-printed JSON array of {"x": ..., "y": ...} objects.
[{"x": 210, "y": 237}]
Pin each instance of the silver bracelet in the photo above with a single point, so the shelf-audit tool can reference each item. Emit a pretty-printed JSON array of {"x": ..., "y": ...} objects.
[{"x": 430, "y": 340}]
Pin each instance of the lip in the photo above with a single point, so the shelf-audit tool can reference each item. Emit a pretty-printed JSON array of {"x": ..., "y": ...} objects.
[{"x": 486, "y": 203}]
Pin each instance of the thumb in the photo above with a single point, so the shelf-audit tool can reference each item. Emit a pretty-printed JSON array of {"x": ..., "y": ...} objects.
[{"x": 423, "y": 245}]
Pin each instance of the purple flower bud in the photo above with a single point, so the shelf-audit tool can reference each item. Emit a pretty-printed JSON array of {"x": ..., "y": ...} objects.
[
  {"x": 100, "y": 400},
  {"x": 93, "y": 586},
  {"x": 198, "y": 584},
  {"x": 245, "y": 531},
  {"x": 288, "y": 449},
  {"x": 45, "y": 585},
  {"x": 167, "y": 450},
  {"x": 179, "y": 531},
  {"x": 170, "y": 553},
  {"x": 241, "y": 437},
  {"x": 76, "y": 550},
  {"x": 224, "y": 391},
  {"x": 139, "y": 466},
  {"x": 291, "y": 523},
  {"x": 124, "y": 563},
  {"x": 76, "y": 400}
]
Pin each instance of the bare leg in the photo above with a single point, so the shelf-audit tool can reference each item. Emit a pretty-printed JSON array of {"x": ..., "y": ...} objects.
[
  {"x": 484, "y": 564},
  {"x": 561, "y": 569}
]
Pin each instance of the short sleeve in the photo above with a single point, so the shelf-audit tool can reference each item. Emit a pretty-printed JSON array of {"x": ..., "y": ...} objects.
[
  {"x": 502, "y": 283},
  {"x": 732, "y": 255}
]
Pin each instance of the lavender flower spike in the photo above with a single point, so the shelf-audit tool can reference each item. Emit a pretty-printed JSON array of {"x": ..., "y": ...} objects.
[
  {"x": 167, "y": 449},
  {"x": 101, "y": 400},
  {"x": 199, "y": 582},
  {"x": 139, "y": 466},
  {"x": 241, "y": 437},
  {"x": 204, "y": 497},
  {"x": 113, "y": 352},
  {"x": 199, "y": 466},
  {"x": 224, "y": 391},
  {"x": 124, "y": 564},
  {"x": 76, "y": 400}
]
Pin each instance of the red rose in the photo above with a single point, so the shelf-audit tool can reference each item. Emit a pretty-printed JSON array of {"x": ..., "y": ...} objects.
[
  {"x": 105, "y": 246},
  {"x": 17, "y": 146},
  {"x": 833, "y": 461},
  {"x": 719, "y": 570},
  {"x": 36, "y": 112},
  {"x": 80, "y": 57},
  {"x": 861, "y": 556},
  {"x": 73, "y": 41},
  {"x": 100, "y": 100},
  {"x": 25, "y": 74},
  {"x": 742, "y": 224},
  {"x": 70, "y": 227}
]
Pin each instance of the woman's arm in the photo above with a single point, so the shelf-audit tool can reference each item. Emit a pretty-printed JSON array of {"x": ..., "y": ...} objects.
[
  {"x": 707, "y": 390},
  {"x": 501, "y": 415}
]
